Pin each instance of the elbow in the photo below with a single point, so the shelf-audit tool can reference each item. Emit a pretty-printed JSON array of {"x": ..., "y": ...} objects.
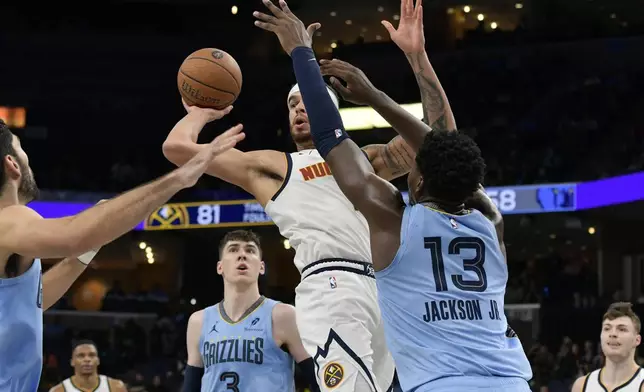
[{"x": 172, "y": 151}]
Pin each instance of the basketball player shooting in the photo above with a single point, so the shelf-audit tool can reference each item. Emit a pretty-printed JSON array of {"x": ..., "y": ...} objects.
[
  {"x": 620, "y": 337},
  {"x": 332, "y": 251},
  {"x": 445, "y": 335},
  {"x": 25, "y": 237},
  {"x": 247, "y": 342},
  {"x": 85, "y": 362}
]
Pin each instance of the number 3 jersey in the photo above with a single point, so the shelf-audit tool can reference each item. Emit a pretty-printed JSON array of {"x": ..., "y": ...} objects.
[
  {"x": 442, "y": 301},
  {"x": 242, "y": 356}
]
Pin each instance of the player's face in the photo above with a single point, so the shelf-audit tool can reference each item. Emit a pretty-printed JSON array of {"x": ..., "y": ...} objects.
[
  {"x": 298, "y": 120},
  {"x": 19, "y": 168},
  {"x": 240, "y": 262},
  {"x": 414, "y": 184},
  {"x": 85, "y": 360},
  {"x": 619, "y": 338}
]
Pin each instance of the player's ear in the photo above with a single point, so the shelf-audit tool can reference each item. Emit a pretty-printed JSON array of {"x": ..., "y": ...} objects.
[
  {"x": 419, "y": 185},
  {"x": 220, "y": 268},
  {"x": 11, "y": 167},
  {"x": 262, "y": 268},
  {"x": 638, "y": 340},
  {"x": 98, "y": 360}
]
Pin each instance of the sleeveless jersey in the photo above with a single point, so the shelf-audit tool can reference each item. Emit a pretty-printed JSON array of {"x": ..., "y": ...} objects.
[
  {"x": 316, "y": 217},
  {"x": 103, "y": 385},
  {"x": 442, "y": 301},
  {"x": 21, "y": 331},
  {"x": 593, "y": 382},
  {"x": 243, "y": 356}
]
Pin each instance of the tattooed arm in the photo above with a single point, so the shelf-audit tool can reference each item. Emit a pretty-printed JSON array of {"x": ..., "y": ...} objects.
[
  {"x": 410, "y": 38},
  {"x": 436, "y": 108},
  {"x": 390, "y": 160}
]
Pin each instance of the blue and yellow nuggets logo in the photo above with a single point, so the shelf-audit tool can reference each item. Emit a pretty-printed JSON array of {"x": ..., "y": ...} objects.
[
  {"x": 333, "y": 375},
  {"x": 169, "y": 216}
]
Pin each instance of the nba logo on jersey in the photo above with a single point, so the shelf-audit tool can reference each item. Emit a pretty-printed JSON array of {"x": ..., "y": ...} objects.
[
  {"x": 453, "y": 223},
  {"x": 332, "y": 282},
  {"x": 338, "y": 133}
]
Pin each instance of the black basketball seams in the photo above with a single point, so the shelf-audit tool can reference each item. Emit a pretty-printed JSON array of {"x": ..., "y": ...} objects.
[
  {"x": 219, "y": 65},
  {"x": 202, "y": 83}
]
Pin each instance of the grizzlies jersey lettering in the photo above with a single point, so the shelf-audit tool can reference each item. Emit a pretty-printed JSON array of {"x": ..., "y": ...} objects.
[
  {"x": 21, "y": 331},
  {"x": 316, "y": 217},
  {"x": 451, "y": 322},
  {"x": 103, "y": 385},
  {"x": 593, "y": 382},
  {"x": 243, "y": 356}
]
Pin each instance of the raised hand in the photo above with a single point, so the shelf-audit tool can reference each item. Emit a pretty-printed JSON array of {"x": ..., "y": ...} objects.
[
  {"x": 288, "y": 28},
  {"x": 410, "y": 35},
  {"x": 359, "y": 89},
  {"x": 190, "y": 173},
  {"x": 208, "y": 114}
]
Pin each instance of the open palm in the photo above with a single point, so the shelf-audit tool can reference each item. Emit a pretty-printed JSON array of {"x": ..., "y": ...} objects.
[{"x": 410, "y": 35}]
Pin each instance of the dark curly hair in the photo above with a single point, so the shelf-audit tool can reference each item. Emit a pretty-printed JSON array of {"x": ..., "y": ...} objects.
[{"x": 451, "y": 165}]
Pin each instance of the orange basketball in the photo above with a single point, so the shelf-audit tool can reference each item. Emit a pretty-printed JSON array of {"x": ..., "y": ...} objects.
[{"x": 209, "y": 78}]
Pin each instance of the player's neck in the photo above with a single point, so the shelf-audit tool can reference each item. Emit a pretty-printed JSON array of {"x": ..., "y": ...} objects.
[
  {"x": 238, "y": 299},
  {"x": 616, "y": 373},
  {"x": 10, "y": 198},
  {"x": 305, "y": 146},
  {"x": 85, "y": 382}
]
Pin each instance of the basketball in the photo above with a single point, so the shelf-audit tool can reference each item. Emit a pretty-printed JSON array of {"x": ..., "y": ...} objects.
[{"x": 209, "y": 78}]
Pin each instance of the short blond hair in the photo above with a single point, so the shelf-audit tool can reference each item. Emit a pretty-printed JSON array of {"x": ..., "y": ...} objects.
[{"x": 623, "y": 309}]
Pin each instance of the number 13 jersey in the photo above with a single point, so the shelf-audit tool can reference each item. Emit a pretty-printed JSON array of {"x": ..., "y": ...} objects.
[{"x": 442, "y": 301}]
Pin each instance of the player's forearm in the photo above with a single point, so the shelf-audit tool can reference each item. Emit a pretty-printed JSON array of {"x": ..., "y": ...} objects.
[
  {"x": 436, "y": 107},
  {"x": 348, "y": 164},
  {"x": 107, "y": 221},
  {"x": 188, "y": 128},
  {"x": 411, "y": 129},
  {"x": 58, "y": 279}
]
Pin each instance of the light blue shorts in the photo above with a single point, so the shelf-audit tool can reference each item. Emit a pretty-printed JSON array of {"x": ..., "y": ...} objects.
[{"x": 476, "y": 384}]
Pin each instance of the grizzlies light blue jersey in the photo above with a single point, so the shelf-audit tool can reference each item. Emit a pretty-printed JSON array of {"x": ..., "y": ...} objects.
[
  {"x": 243, "y": 356},
  {"x": 21, "y": 331},
  {"x": 442, "y": 302}
]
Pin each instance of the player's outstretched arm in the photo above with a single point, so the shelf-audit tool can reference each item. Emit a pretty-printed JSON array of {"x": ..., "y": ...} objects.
[
  {"x": 59, "y": 278},
  {"x": 194, "y": 367},
  {"x": 395, "y": 158},
  {"x": 23, "y": 231},
  {"x": 286, "y": 332},
  {"x": 246, "y": 170},
  {"x": 410, "y": 38},
  {"x": 376, "y": 198}
]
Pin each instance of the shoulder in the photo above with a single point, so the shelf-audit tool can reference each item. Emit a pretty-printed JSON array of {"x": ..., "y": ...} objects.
[
  {"x": 116, "y": 385},
  {"x": 283, "y": 314},
  {"x": 196, "y": 319},
  {"x": 15, "y": 212},
  {"x": 579, "y": 384},
  {"x": 57, "y": 388}
]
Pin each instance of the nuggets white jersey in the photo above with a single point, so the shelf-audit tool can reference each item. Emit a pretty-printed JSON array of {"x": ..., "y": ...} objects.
[
  {"x": 313, "y": 213},
  {"x": 593, "y": 382},
  {"x": 103, "y": 385}
]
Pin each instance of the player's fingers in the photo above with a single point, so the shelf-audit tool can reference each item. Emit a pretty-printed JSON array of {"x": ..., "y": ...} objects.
[
  {"x": 231, "y": 132},
  {"x": 331, "y": 69},
  {"x": 264, "y": 17},
  {"x": 285, "y": 8},
  {"x": 265, "y": 26},
  {"x": 273, "y": 8},
  {"x": 339, "y": 87},
  {"x": 409, "y": 7},
  {"x": 419, "y": 16},
  {"x": 390, "y": 28},
  {"x": 418, "y": 8},
  {"x": 313, "y": 27}
]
